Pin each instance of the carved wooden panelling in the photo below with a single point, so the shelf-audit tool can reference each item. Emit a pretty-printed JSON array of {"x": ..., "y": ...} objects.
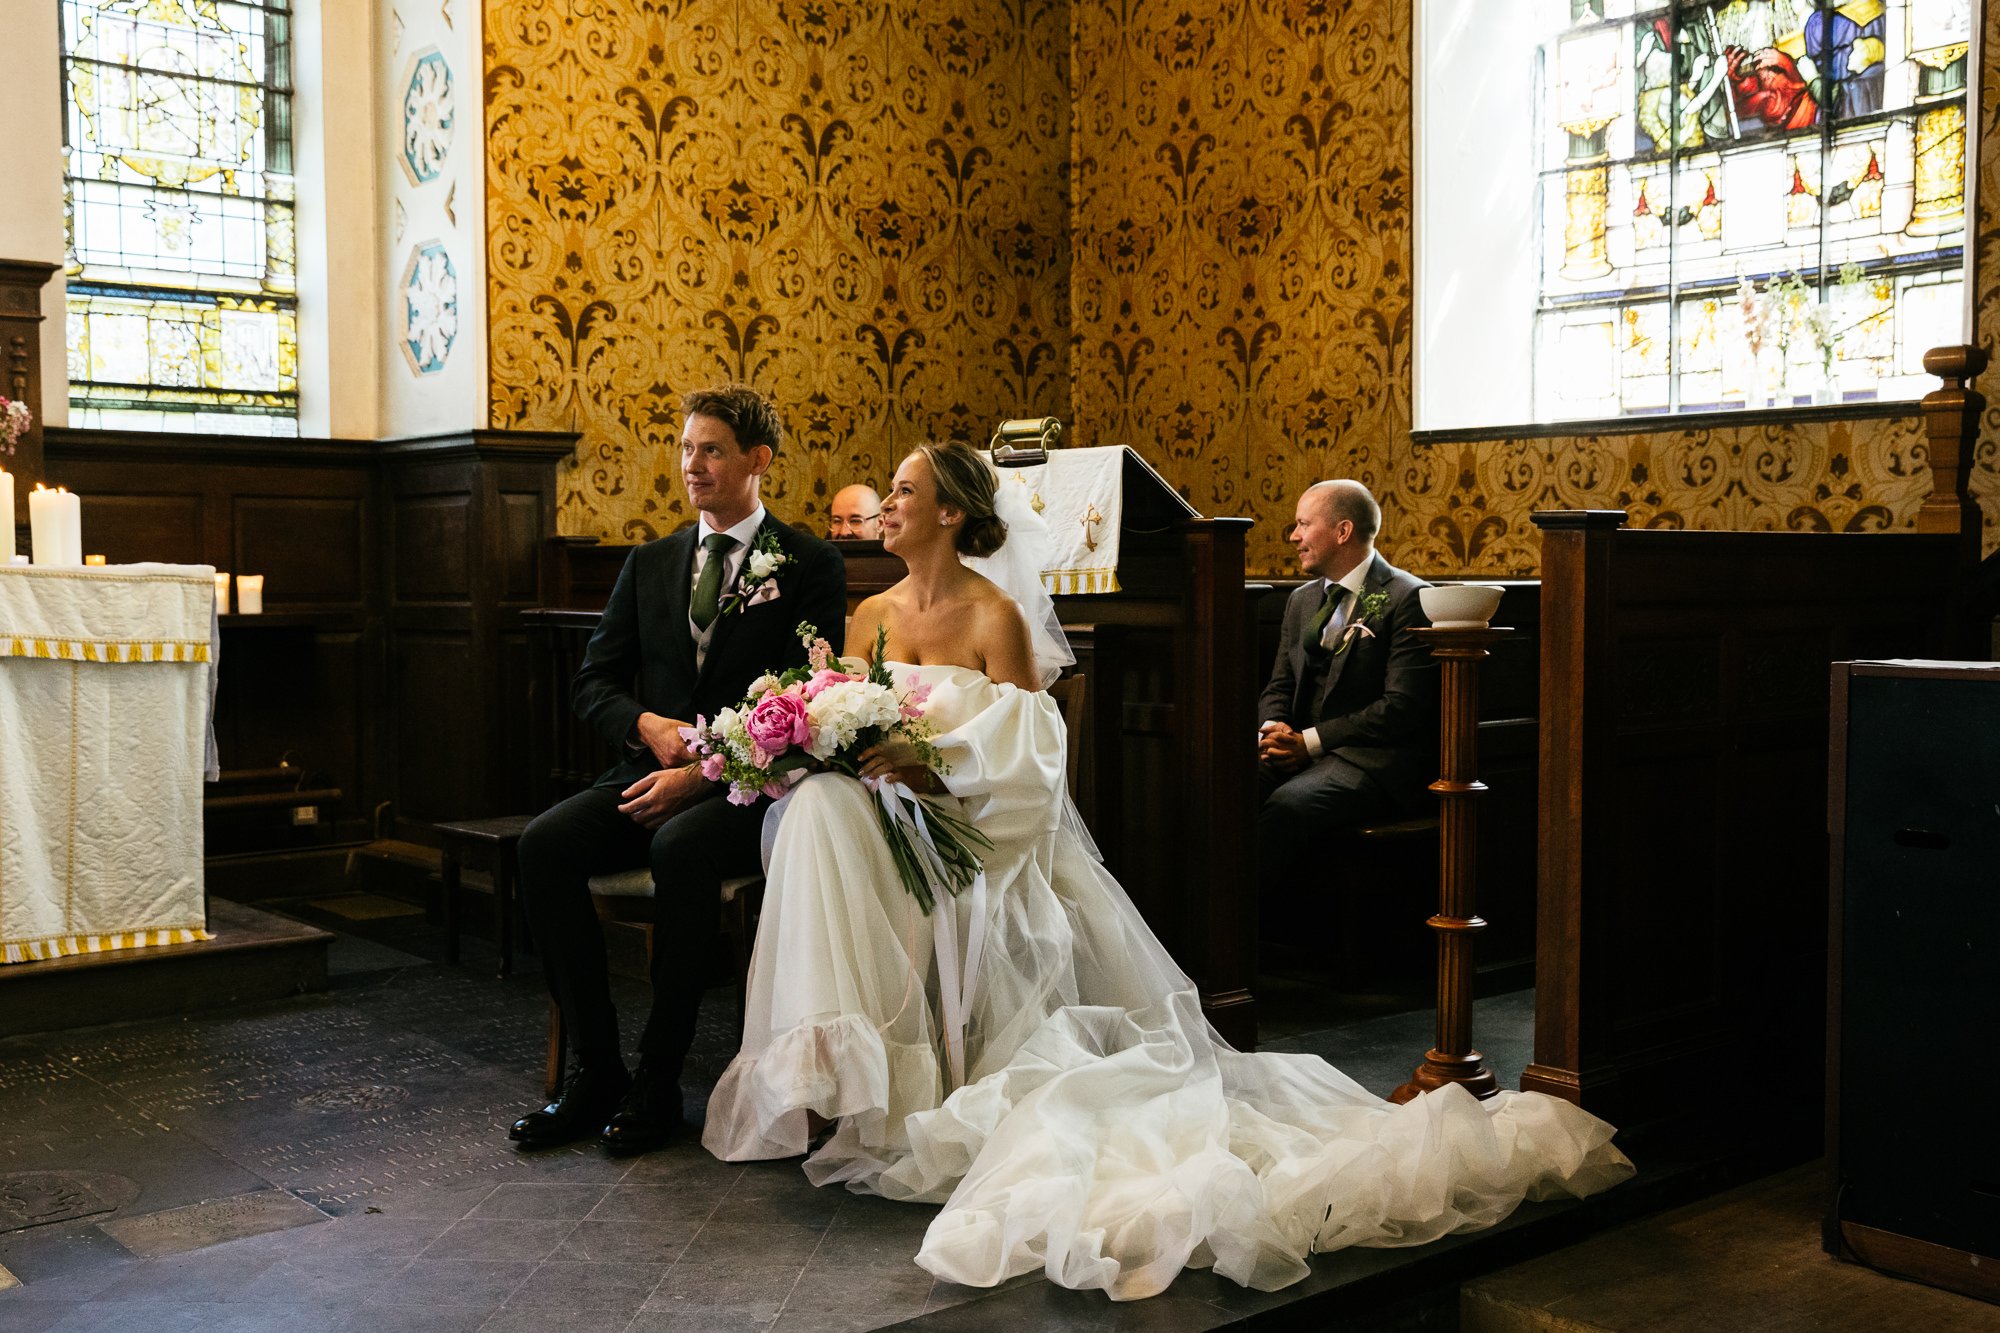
[
  {"x": 126, "y": 529},
  {"x": 861, "y": 208},
  {"x": 429, "y": 674},
  {"x": 308, "y": 550},
  {"x": 432, "y": 559},
  {"x": 521, "y": 536}
]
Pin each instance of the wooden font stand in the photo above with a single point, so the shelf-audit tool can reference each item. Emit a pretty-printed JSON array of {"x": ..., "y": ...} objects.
[{"x": 1459, "y": 653}]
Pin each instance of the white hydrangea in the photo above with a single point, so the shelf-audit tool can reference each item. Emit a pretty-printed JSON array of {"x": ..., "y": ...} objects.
[
  {"x": 844, "y": 711},
  {"x": 735, "y": 737}
]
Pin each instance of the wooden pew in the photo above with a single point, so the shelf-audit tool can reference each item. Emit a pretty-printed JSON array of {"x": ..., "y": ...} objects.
[
  {"x": 1681, "y": 953},
  {"x": 1399, "y": 885}
]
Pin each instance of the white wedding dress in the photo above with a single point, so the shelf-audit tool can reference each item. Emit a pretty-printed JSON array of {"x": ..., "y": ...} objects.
[{"x": 1103, "y": 1132}]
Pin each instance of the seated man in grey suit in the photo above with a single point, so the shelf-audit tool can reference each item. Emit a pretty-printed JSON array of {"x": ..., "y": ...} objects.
[{"x": 1349, "y": 732}]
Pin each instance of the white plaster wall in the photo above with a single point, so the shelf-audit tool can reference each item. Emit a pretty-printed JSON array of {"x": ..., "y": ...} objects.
[
  {"x": 31, "y": 164},
  {"x": 449, "y": 211},
  {"x": 340, "y": 303},
  {"x": 1475, "y": 228}
]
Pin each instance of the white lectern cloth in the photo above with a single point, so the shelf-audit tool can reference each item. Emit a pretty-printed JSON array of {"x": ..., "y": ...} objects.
[{"x": 105, "y": 677}]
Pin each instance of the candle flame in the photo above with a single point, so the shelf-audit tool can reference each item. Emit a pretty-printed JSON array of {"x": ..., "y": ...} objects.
[{"x": 40, "y": 487}]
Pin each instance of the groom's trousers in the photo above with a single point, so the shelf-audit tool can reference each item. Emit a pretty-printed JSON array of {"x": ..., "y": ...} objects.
[{"x": 690, "y": 855}]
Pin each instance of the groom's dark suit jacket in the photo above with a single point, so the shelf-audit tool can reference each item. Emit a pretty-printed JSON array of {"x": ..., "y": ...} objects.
[
  {"x": 1377, "y": 706},
  {"x": 642, "y": 657}
]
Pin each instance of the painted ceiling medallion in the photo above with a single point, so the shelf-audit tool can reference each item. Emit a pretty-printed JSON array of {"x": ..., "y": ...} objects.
[
  {"x": 430, "y": 308},
  {"x": 427, "y": 117}
]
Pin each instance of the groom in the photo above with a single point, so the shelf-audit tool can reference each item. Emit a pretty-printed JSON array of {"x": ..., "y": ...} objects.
[{"x": 692, "y": 620}]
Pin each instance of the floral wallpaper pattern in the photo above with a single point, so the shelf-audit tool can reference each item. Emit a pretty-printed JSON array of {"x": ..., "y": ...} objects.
[
  {"x": 1241, "y": 307},
  {"x": 1182, "y": 227},
  {"x": 858, "y": 207}
]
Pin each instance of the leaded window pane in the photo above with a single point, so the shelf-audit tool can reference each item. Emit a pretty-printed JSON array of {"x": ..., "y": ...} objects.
[
  {"x": 181, "y": 238},
  {"x": 1748, "y": 202}
]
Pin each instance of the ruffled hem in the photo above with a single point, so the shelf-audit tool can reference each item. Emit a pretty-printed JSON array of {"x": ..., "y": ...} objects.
[
  {"x": 839, "y": 1070},
  {"x": 1124, "y": 1148}
]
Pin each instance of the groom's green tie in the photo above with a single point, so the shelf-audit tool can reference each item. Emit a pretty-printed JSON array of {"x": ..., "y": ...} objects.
[
  {"x": 1314, "y": 632},
  {"x": 708, "y": 588}
]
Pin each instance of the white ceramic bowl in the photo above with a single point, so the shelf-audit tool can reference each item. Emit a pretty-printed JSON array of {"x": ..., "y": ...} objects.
[{"x": 1460, "y": 605}]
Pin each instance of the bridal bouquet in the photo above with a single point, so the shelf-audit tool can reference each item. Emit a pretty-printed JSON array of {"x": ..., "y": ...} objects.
[{"x": 821, "y": 718}]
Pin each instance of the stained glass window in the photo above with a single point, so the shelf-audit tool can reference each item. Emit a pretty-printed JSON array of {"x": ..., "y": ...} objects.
[
  {"x": 182, "y": 275},
  {"x": 1747, "y": 202}
]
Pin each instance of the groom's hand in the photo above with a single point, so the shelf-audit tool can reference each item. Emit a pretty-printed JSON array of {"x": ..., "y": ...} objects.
[
  {"x": 662, "y": 735},
  {"x": 658, "y": 797}
]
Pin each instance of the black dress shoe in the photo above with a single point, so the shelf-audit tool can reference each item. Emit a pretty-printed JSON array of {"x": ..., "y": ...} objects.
[
  {"x": 648, "y": 1117},
  {"x": 579, "y": 1110}
]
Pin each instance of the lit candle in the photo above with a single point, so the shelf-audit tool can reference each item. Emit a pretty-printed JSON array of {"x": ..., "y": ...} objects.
[
  {"x": 55, "y": 518},
  {"x": 250, "y": 594},
  {"x": 221, "y": 593},
  {"x": 6, "y": 517},
  {"x": 93, "y": 560}
]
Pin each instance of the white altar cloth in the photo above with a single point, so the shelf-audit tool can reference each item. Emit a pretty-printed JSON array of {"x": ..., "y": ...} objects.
[{"x": 105, "y": 680}]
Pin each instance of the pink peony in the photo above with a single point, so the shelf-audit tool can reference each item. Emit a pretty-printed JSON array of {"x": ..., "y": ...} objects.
[
  {"x": 777, "y": 723},
  {"x": 823, "y": 679}
]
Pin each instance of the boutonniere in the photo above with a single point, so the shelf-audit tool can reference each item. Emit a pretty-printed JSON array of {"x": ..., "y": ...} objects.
[
  {"x": 1368, "y": 613},
  {"x": 755, "y": 585}
]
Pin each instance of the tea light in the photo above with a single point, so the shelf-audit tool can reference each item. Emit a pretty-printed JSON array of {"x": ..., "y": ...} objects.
[
  {"x": 221, "y": 593},
  {"x": 93, "y": 560},
  {"x": 250, "y": 594},
  {"x": 56, "y": 520}
]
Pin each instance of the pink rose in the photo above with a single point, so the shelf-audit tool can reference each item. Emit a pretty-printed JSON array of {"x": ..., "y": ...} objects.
[
  {"x": 822, "y": 679},
  {"x": 777, "y": 723}
]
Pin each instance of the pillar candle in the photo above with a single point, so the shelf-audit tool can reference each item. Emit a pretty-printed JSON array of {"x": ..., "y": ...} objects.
[
  {"x": 56, "y": 521},
  {"x": 250, "y": 594},
  {"x": 221, "y": 593},
  {"x": 93, "y": 560},
  {"x": 6, "y": 517}
]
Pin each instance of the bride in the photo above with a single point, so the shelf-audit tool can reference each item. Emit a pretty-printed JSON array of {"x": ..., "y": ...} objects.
[{"x": 1029, "y": 1055}]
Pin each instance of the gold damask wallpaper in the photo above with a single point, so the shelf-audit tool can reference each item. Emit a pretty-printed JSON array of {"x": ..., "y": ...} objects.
[
  {"x": 1186, "y": 227},
  {"x": 859, "y": 206},
  {"x": 1241, "y": 306}
]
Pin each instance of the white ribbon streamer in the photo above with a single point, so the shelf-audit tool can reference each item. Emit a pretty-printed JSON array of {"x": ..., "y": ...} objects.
[{"x": 958, "y": 976}]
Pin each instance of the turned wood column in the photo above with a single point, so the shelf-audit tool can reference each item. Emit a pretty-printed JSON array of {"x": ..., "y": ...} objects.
[
  {"x": 1453, "y": 1060},
  {"x": 1951, "y": 425}
]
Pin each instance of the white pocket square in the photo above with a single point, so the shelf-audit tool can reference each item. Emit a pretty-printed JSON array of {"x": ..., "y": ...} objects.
[{"x": 767, "y": 592}]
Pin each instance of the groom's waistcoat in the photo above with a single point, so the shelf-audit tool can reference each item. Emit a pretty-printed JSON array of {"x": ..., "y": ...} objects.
[{"x": 641, "y": 659}]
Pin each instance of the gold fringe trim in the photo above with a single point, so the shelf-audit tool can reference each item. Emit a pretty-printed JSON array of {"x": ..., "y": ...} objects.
[
  {"x": 66, "y": 946},
  {"x": 1070, "y": 582},
  {"x": 105, "y": 650}
]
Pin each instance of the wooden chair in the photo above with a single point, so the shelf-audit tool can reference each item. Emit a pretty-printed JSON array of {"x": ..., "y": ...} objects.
[{"x": 627, "y": 896}]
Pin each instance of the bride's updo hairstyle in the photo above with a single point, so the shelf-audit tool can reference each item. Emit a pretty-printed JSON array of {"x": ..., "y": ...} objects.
[{"x": 965, "y": 481}]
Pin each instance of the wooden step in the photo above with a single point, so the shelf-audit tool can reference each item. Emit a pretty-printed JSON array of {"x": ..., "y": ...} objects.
[{"x": 254, "y": 956}]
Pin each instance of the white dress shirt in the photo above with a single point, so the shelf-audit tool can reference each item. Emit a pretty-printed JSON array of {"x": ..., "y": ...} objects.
[{"x": 744, "y": 533}]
